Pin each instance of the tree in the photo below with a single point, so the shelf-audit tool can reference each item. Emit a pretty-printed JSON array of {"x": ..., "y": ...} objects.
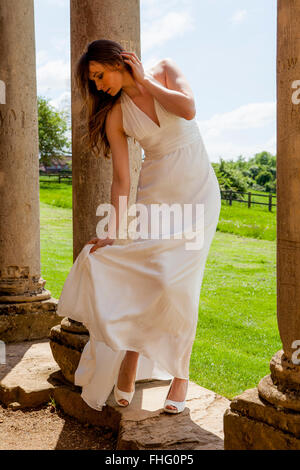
[
  {"x": 263, "y": 177},
  {"x": 265, "y": 158},
  {"x": 254, "y": 170},
  {"x": 53, "y": 143},
  {"x": 230, "y": 177}
]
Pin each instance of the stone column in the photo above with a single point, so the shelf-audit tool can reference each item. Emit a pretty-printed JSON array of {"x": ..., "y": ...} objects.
[
  {"x": 22, "y": 292},
  {"x": 91, "y": 176},
  {"x": 269, "y": 417}
]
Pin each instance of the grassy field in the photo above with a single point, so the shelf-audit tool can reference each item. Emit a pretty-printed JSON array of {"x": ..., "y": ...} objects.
[{"x": 237, "y": 330}]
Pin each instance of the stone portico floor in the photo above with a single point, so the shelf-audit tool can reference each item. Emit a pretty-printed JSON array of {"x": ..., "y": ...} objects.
[{"x": 31, "y": 377}]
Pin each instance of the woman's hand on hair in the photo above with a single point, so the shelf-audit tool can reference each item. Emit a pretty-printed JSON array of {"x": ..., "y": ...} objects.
[
  {"x": 99, "y": 243},
  {"x": 135, "y": 64}
]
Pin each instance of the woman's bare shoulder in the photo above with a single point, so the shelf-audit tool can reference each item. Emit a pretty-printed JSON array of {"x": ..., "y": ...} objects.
[
  {"x": 114, "y": 116},
  {"x": 158, "y": 71}
]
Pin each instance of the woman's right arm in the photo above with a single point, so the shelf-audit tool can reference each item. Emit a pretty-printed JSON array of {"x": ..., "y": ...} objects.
[{"x": 121, "y": 168}]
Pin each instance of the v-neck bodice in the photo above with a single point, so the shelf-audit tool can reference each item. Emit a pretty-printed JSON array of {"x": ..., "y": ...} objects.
[
  {"x": 173, "y": 131},
  {"x": 143, "y": 112}
]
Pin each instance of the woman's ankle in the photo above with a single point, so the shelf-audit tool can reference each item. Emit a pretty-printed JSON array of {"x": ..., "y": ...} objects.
[
  {"x": 180, "y": 380},
  {"x": 132, "y": 356},
  {"x": 129, "y": 364}
]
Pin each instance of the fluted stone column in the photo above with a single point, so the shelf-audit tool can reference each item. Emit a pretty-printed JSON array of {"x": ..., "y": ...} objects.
[
  {"x": 269, "y": 417},
  {"x": 91, "y": 176},
  {"x": 22, "y": 292}
]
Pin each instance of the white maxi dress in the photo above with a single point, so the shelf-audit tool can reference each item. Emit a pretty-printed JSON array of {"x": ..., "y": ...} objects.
[{"x": 144, "y": 296}]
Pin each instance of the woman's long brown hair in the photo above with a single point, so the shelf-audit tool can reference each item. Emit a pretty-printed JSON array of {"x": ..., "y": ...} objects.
[{"x": 98, "y": 103}]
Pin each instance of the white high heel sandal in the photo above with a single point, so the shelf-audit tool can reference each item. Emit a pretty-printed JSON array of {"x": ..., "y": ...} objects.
[
  {"x": 180, "y": 405},
  {"x": 120, "y": 395}
]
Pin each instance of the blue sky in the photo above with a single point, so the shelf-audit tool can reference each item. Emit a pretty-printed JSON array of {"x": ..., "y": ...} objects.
[{"x": 225, "y": 48}]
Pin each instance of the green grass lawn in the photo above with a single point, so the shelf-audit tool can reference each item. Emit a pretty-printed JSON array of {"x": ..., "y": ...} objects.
[
  {"x": 256, "y": 222},
  {"x": 237, "y": 330}
]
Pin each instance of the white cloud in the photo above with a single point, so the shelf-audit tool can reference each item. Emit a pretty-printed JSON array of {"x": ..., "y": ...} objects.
[
  {"x": 162, "y": 21},
  {"x": 163, "y": 29},
  {"x": 238, "y": 132},
  {"x": 239, "y": 16},
  {"x": 249, "y": 116},
  {"x": 231, "y": 149},
  {"x": 63, "y": 101},
  {"x": 150, "y": 62},
  {"x": 154, "y": 9},
  {"x": 53, "y": 75}
]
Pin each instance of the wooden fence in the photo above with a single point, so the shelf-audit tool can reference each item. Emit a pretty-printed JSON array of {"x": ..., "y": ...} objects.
[
  {"x": 59, "y": 176},
  {"x": 227, "y": 195}
]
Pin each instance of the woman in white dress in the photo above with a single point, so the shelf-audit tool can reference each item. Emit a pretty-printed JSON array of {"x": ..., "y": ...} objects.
[{"x": 140, "y": 301}]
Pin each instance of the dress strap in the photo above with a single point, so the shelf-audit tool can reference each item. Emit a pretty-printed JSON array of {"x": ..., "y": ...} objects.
[{"x": 124, "y": 106}]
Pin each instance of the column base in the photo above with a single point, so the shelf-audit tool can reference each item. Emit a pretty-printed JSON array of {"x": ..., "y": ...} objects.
[
  {"x": 285, "y": 374},
  {"x": 67, "y": 341},
  {"x": 12, "y": 299},
  {"x": 278, "y": 395},
  {"x": 25, "y": 321},
  {"x": 252, "y": 423}
]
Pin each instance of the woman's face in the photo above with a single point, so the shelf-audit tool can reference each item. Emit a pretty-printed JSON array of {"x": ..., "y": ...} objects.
[{"x": 107, "y": 80}]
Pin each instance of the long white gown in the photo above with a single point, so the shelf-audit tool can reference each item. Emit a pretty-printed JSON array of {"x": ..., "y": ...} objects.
[{"x": 144, "y": 296}]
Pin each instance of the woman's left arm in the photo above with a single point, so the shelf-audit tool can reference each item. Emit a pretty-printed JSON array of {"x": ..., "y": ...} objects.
[{"x": 177, "y": 97}]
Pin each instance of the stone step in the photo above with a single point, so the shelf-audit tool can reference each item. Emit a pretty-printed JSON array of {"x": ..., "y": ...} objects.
[
  {"x": 25, "y": 378},
  {"x": 31, "y": 377}
]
